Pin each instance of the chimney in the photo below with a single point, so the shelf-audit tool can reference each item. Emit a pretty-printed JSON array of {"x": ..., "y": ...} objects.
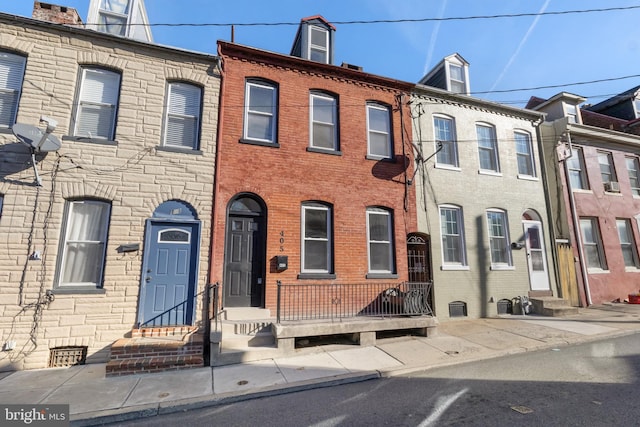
[{"x": 56, "y": 14}]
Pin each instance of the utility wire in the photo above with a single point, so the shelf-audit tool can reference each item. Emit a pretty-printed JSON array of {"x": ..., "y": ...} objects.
[{"x": 380, "y": 21}]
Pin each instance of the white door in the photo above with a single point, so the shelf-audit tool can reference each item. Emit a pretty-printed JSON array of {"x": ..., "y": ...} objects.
[{"x": 536, "y": 255}]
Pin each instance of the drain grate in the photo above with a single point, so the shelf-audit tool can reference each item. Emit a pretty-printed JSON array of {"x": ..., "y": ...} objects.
[{"x": 67, "y": 356}]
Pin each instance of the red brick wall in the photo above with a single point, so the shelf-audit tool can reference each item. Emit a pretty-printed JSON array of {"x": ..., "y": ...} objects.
[
  {"x": 284, "y": 177},
  {"x": 56, "y": 14}
]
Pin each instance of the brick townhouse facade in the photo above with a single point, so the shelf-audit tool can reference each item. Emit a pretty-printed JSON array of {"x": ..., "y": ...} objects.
[
  {"x": 119, "y": 231},
  {"x": 312, "y": 165}
]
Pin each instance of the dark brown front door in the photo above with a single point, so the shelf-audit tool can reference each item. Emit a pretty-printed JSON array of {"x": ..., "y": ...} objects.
[{"x": 245, "y": 258}]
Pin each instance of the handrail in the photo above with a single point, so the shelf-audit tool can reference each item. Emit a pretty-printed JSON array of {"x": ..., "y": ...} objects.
[{"x": 340, "y": 301}]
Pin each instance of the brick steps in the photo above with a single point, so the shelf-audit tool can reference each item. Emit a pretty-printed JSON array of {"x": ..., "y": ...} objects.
[{"x": 145, "y": 354}]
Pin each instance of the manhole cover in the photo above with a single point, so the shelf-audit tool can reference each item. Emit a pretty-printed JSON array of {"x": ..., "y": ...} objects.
[
  {"x": 243, "y": 382},
  {"x": 163, "y": 395}
]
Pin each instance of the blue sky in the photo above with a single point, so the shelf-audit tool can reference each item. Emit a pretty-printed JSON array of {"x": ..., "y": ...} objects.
[{"x": 504, "y": 53}]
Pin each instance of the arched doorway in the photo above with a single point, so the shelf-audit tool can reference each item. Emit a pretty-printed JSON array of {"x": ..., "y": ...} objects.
[
  {"x": 245, "y": 252},
  {"x": 419, "y": 260},
  {"x": 169, "y": 266}
]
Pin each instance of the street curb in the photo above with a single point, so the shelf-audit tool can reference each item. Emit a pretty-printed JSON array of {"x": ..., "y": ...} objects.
[{"x": 163, "y": 408}]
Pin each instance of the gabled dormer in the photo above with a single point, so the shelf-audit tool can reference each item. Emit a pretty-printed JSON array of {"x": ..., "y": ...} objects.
[
  {"x": 127, "y": 18},
  {"x": 314, "y": 40},
  {"x": 625, "y": 105},
  {"x": 561, "y": 105},
  {"x": 452, "y": 74}
]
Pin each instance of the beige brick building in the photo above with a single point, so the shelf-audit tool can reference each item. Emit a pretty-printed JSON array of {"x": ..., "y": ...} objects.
[
  {"x": 481, "y": 197},
  {"x": 117, "y": 236}
]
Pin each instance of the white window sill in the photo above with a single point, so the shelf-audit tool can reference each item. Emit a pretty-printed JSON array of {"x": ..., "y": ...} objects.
[
  {"x": 528, "y": 178},
  {"x": 582, "y": 190},
  {"x": 488, "y": 172},
  {"x": 597, "y": 271},
  {"x": 632, "y": 270},
  {"x": 448, "y": 167},
  {"x": 612, "y": 193},
  {"x": 452, "y": 267},
  {"x": 502, "y": 267}
]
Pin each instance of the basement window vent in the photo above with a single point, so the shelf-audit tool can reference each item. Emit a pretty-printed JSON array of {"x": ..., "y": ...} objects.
[
  {"x": 458, "y": 309},
  {"x": 505, "y": 306},
  {"x": 67, "y": 356}
]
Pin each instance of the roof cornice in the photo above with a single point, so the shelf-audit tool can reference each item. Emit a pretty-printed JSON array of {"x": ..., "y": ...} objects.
[
  {"x": 451, "y": 98},
  {"x": 278, "y": 59}
]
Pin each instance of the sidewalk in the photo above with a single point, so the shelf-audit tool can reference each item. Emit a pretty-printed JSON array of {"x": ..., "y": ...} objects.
[{"x": 95, "y": 399}]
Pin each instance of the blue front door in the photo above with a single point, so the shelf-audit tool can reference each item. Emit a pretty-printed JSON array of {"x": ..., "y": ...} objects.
[{"x": 169, "y": 274}]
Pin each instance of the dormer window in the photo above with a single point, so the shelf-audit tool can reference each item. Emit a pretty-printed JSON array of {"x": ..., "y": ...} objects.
[
  {"x": 112, "y": 16},
  {"x": 318, "y": 44},
  {"x": 314, "y": 40},
  {"x": 127, "y": 18},
  {"x": 571, "y": 111},
  {"x": 636, "y": 104},
  {"x": 456, "y": 79},
  {"x": 452, "y": 74}
]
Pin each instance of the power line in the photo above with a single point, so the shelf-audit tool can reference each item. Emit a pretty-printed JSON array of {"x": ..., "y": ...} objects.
[{"x": 381, "y": 21}]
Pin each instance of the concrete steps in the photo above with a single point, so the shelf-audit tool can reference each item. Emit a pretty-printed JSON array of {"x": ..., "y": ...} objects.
[
  {"x": 552, "y": 306},
  {"x": 243, "y": 334}
]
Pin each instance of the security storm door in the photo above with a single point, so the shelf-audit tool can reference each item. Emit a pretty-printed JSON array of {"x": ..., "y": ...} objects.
[
  {"x": 536, "y": 258},
  {"x": 245, "y": 255},
  {"x": 169, "y": 274}
]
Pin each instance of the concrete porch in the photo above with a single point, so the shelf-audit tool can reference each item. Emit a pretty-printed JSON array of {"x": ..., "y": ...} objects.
[{"x": 251, "y": 334}]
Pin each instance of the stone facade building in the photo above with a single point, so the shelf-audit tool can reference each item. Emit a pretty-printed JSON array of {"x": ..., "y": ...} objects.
[{"x": 117, "y": 236}]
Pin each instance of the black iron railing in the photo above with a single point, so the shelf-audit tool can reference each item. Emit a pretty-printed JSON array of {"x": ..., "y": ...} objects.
[
  {"x": 179, "y": 314},
  {"x": 339, "y": 301}
]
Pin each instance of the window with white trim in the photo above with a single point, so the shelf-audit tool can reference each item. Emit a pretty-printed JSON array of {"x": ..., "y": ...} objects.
[
  {"x": 379, "y": 131},
  {"x": 607, "y": 171},
  {"x": 487, "y": 148},
  {"x": 113, "y": 16},
  {"x": 83, "y": 244},
  {"x": 457, "y": 79},
  {"x": 499, "y": 238},
  {"x": 445, "y": 134},
  {"x": 316, "y": 238},
  {"x": 380, "y": 240},
  {"x": 592, "y": 243},
  {"x": 452, "y": 230},
  {"x": 577, "y": 174},
  {"x": 633, "y": 170},
  {"x": 524, "y": 154},
  {"x": 627, "y": 243},
  {"x": 11, "y": 76},
  {"x": 95, "y": 115},
  {"x": 324, "y": 121},
  {"x": 318, "y": 44},
  {"x": 182, "y": 118},
  {"x": 260, "y": 115}
]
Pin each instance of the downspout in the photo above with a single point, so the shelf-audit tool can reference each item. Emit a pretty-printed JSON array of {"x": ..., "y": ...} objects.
[
  {"x": 216, "y": 186},
  {"x": 576, "y": 226},
  {"x": 547, "y": 198}
]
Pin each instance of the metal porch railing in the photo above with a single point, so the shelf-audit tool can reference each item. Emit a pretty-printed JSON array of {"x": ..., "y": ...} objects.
[{"x": 340, "y": 301}]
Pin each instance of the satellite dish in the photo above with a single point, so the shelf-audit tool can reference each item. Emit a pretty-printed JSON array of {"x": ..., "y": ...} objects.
[{"x": 37, "y": 140}]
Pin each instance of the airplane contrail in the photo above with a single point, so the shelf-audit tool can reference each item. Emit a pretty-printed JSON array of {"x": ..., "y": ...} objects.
[{"x": 522, "y": 43}]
